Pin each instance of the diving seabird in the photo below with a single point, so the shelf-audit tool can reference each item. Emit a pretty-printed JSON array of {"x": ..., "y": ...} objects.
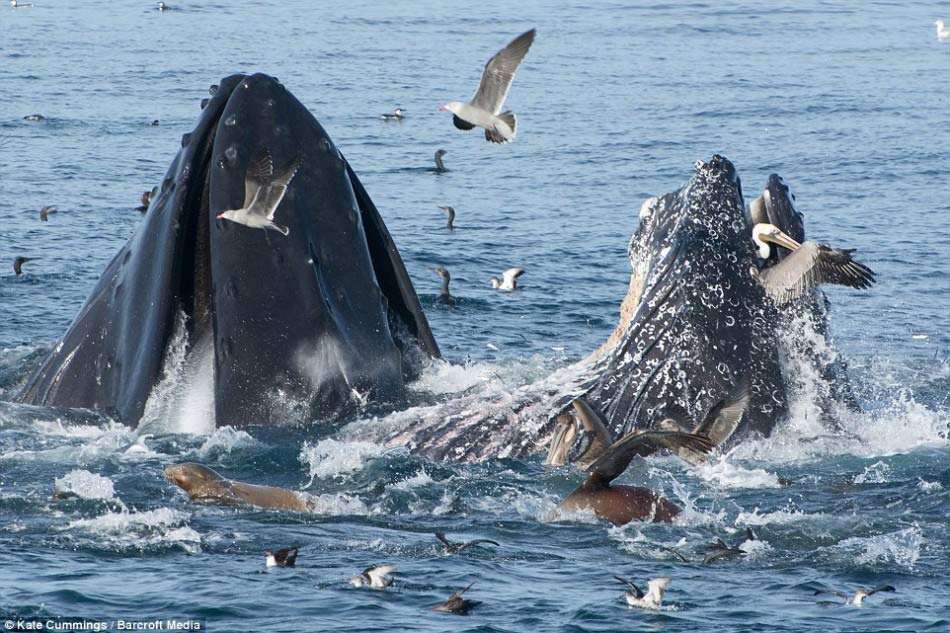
[
  {"x": 263, "y": 191},
  {"x": 32, "y": 117},
  {"x": 942, "y": 31},
  {"x": 455, "y": 548},
  {"x": 720, "y": 550},
  {"x": 146, "y": 200},
  {"x": 457, "y": 604},
  {"x": 509, "y": 280},
  {"x": 718, "y": 425},
  {"x": 395, "y": 115},
  {"x": 444, "y": 296},
  {"x": 807, "y": 266},
  {"x": 451, "y": 220},
  {"x": 484, "y": 109},
  {"x": 859, "y": 595},
  {"x": 379, "y": 577},
  {"x": 45, "y": 211},
  {"x": 284, "y": 557},
  {"x": 439, "y": 165},
  {"x": 652, "y": 599},
  {"x": 18, "y": 264}
]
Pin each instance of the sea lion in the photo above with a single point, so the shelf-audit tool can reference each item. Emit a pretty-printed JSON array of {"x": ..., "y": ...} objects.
[
  {"x": 203, "y": 484},
  {"x": 622, "y": 504}
]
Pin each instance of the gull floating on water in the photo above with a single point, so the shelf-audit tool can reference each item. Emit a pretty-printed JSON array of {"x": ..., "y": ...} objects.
[
  {"x": 17, "y": 5},
  {"x": 942, "y": 31},
  {"x": 509, "y": 280},
  {"x": 395, "y": 115},
  {"x": 858, "y": 598},
  {"x": 378, "y": 577},
  {"x": 263, "y": 191},
  {"x": 484, "y": 109},
  {"x": 652, "y": 599},
  {"x": 45, "y": 211},
  {"x": 284, "y": 557},
  {"x": 163, "y": 7},
  {"x": 33, "y": 117}
]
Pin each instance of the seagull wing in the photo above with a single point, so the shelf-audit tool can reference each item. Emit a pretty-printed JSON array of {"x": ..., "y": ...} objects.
[
  {"x": 840, "y": 594},
  {"x": 636, "y": 590},
  {"x": 271, "y": 193},
  {"x": 259, "y": 170},
  {"x": 442, "y": 539},
  {"x": 611, "y": 464},
  {"x": 478, "y": 541},
  {"x": 888, "y": 588},
  {"x": 813, "y": 264},
  {"x": 499, "y": 73},
  {"x": 379, "y": 573},
  {"x": 511, "y": 274}
]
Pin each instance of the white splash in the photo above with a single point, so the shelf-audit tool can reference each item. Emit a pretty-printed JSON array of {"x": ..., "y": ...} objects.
[
  {"x": 86, "y": 485},
  {"x": 876, "y": 473},
  {"x": 140, "y": 530},
  {"x": 333, "y": 458},
  {"x": 725, "y": 474},
  {"x": 778, "y": 517},
  {"x": 901, "y": 548},
  {"x": 223, "y": 440}
]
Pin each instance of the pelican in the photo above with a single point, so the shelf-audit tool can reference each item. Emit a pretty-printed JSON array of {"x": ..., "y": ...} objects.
[
  {"x": 719, "y": 424},
  {"x": 509, "y": 279},
  {"x": 807, "y": 266},
  {"x": 596, "y": 437}
]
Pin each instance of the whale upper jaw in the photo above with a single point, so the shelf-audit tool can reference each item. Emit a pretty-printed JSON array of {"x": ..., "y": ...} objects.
[{"x": 298, "y": 323}]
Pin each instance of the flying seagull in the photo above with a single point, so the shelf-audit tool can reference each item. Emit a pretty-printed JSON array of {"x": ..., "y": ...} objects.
[
  {"x": 263, "y": 191},
  {"x": 484, "y": 109}
]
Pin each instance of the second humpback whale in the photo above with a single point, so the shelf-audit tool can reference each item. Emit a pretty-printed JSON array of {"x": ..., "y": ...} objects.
[{"x": 319, "y": 318}]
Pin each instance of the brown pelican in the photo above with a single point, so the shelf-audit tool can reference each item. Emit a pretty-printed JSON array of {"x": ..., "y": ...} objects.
[
  {"x": 859, "y": 595},
  {"x": 456, "y": 603},
  {"x": 652, "y": 599},
  {"x": 718, "y": 426},
  {"x": 807, "y": 266},
  {"x": 597, "y": 437},
  {"x": 509, "y": 279},
  {"x": 484, "y": 109}
]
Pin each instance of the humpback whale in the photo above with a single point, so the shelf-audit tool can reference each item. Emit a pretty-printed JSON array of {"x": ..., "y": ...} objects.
[{"x": 322, "y": 317}]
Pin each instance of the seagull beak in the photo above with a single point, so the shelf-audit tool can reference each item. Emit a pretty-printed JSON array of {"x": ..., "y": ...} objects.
[
  {"x": 443, "y": 109},
  {"x": 220, "y": 216},
  {"x": 782, "y": 239}
]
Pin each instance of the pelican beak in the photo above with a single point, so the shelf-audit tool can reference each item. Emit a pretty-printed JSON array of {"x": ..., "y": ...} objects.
[
  {"x": 782, "y": 239},
  {"x": 565, "y": 432}
]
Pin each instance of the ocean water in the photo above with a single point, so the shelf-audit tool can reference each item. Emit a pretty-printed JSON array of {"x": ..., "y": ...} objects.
[{"x": 847, "y": 101}]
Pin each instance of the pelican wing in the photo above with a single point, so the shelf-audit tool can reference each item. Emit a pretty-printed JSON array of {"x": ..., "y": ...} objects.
[
  {"x": 500, "y": 72},
  {"x": 611, "y": 464},
  {"x": 722, "y": 419},
  {"x": 593, "y": 423},
  {"x": 813, "y": 264}
]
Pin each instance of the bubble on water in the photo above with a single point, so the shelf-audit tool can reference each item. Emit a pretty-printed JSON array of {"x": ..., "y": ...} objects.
[
  {"x": 231, "y": 121},
  {"x": 231, "y": 153}
]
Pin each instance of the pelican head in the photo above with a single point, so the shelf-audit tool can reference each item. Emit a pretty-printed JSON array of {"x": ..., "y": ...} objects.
[
  {"x": 764, "y": 233},
  {"x": 565, "y": 432}
]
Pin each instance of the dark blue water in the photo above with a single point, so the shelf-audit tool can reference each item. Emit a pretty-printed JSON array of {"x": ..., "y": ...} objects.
[{"x": 615, "y": 102}]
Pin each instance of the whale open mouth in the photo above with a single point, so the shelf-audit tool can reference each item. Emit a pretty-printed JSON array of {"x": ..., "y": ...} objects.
[{"x": 308, "y": 318}]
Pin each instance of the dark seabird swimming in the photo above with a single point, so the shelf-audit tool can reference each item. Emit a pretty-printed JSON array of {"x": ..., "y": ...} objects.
[
  {"x": 33, "y": 117},
  {"x": 652, "y": 599},
  {"x": 457, "y": 604},
  {"x": 484, "y": 109},
  {"x": 18, "y": 264},
  {"x": 155, "y": 122},
  {"x": 395, "y": 115},
  {"x": 444, "y": 295},
  {"x": 455, "y": 548},
  {"x": 378, "y": 577},
  {"x": 263, "y": 191},
  {"x": 45, "y": 211},
  {"x": 146, "y": 201},
  {"x": 809, "y": 265},
  {"x": 284, "y": 557},
  {"x": 721, "y": 551},
  {"x": 439, "y": 165},
  {"x": 509, "y": 279},
  {"x": 449, "y": 224},
  {"x": 859, "y": 595}
]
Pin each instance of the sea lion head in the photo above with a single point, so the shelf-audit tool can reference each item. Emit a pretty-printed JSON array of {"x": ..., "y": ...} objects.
[{"x": 195, "y": 479}]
